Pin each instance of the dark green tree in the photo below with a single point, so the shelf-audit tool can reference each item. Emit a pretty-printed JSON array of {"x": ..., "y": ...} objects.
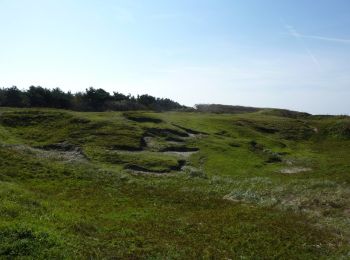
[
  {"x": 95, "y": 99},
  {"x": 39, "y": 97},
  {"x": 12, "y": 97}
]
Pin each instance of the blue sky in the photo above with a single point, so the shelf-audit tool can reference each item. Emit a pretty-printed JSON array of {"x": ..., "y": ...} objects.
[{"x": 290, "y": 54}]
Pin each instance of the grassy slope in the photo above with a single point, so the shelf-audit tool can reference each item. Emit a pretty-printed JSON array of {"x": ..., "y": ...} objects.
[{"x": 233, "y": 202}]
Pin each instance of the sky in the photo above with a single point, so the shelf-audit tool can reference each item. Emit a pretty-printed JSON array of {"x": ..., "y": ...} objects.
[{"x": 292, "y": 54}]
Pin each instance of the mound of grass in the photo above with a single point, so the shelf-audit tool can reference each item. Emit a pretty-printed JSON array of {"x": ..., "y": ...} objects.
[
  {"x": 340, "y": 129},
  {"x": 289, "y": 129},
  {"x": 36, "y": 127},
  {"x": 44, "y": 128},
  {"x": 30, "y": 118},
  {"x": 285, "y": 113}
]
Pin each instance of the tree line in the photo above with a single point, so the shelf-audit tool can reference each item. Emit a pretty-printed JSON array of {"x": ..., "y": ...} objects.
[{"x": 90, "y": 100}]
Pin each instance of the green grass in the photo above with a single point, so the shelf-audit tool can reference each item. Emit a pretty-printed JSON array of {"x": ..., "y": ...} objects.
[{"x": 230, "y": 201}]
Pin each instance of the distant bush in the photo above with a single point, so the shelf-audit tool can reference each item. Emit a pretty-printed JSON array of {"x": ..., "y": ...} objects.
[{"x": 90, "y": 100}]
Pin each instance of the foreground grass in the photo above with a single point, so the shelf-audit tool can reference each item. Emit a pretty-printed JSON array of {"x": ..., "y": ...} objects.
[{"x": 234, "y": 204}]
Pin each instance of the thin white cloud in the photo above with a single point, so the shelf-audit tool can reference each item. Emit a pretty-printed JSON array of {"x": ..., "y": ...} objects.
[{"x": 293, "y": 32}]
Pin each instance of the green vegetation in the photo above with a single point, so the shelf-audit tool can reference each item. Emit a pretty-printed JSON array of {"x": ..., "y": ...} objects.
[
  {"x": 90, "y": 100},
  {"x": 267, "y": 184}
]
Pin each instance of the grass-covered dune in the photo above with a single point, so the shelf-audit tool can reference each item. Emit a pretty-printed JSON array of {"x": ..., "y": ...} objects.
[{"x": 174, "y": 185}]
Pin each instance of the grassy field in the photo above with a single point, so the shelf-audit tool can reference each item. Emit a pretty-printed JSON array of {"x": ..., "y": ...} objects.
[{"x": 142, "y": 185}]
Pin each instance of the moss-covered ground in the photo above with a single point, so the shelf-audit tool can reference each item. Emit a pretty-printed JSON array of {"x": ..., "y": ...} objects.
[{"x": 174, "y": 185}]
